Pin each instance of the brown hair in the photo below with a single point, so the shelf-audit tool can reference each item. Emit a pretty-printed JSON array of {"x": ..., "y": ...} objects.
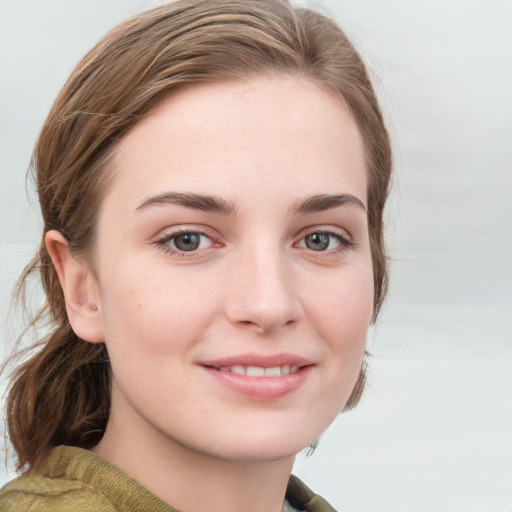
[{"x": 61, "y": 394}]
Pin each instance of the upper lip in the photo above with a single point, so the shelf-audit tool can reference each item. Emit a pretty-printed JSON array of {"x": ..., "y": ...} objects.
[{"x": 263, "y": 361}]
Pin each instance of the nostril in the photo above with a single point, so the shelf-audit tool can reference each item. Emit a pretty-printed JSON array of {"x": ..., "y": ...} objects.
[
  {"x": 265, "y": 326},
  {"x": 262, "y": 310}
]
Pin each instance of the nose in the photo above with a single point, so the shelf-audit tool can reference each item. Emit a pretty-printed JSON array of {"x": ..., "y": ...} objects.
[{"x": 262, "y": 292}]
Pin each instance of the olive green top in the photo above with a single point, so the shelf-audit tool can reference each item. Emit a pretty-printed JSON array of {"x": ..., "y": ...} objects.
[{"x": 71, "y": 479}]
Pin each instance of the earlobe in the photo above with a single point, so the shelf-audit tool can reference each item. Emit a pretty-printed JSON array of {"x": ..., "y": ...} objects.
[{"x": 79, "y": 287}]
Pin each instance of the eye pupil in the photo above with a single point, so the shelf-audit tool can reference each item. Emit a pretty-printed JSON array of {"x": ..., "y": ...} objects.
[
  {"x": 187, "y": 241},
  {"x": 317, "y": 241}
]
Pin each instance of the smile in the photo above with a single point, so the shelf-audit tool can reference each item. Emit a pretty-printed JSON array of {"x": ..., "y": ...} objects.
[
  {"x": 259, "y": 371},
  {"x": 261, "y": 378}
]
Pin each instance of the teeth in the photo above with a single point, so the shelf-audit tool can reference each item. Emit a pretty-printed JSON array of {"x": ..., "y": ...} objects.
[
  {"x": 255, "y": 371},
  {"x": 237, "y": 369},
  {"x": 258, "y": 371},
  {"x": 273, "y": 372}
]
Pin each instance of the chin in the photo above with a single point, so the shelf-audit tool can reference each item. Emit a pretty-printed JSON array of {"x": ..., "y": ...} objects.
[
  {"x": 260, "y": 453},
  {"x": 264, "y": 445}
]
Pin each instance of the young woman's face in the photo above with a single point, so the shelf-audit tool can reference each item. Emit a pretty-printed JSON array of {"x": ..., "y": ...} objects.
[{"x": 234, "y": 278}]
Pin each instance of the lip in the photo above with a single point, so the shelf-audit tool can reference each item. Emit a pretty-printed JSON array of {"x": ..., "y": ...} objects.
[
  {"x": 259, "y": 360},
  {"x": 260, "y": 388}
]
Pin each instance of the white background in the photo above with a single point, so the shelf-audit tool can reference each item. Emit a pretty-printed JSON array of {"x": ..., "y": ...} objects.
[{"x": 434, "y": 431}]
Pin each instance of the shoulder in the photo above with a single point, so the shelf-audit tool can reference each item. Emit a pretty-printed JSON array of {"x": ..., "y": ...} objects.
[
  {"x": 36, "y": 493},
  {"x": 302, "y": 497},
  {"x": 71, "y": 479}
]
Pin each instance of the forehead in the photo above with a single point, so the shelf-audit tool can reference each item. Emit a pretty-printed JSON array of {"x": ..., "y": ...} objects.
[{"x": 266, "y": 133}]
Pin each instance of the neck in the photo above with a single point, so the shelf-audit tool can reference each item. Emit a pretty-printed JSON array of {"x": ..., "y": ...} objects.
[{"x": 192, "y": 481}]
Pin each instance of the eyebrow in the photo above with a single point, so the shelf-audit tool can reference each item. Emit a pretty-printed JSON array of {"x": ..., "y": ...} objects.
[
  {"x": 215, "y": 204},
  {"x": 202, "y": 202},
  {"x": 322, "y": 202}
]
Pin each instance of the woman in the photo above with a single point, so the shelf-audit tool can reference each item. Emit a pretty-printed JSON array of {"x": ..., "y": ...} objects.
[{"x": 212, "y": 180}]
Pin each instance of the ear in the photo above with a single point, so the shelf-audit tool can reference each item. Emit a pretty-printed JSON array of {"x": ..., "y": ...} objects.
[{"x": 80, "y": 289}]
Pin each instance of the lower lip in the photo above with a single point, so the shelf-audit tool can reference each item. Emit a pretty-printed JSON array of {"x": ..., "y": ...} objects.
[{"x": 262, "y": 388}]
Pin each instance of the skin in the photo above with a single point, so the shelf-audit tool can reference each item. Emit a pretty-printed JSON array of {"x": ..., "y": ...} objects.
[{"x": 253, "y": 286}]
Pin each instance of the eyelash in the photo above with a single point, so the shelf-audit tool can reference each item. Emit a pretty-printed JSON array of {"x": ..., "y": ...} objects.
[
  {"x": 163, "y": 242},
  {"x": 345, "y": 243},
  {"x": 341, "y": 237}
]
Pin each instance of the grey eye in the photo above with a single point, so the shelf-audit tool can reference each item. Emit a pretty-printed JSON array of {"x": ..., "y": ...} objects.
[
  {"x": 187, "y": 241},
  {"x": 317, "y": 241}
]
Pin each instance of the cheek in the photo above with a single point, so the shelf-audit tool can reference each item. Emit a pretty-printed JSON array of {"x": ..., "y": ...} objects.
[
  {"x": 151, "y": 307},
  {"x": 341, "y": 315},
  {"x": 344, "y": 308}
]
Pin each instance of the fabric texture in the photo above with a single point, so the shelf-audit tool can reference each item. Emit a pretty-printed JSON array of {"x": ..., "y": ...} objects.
[{"x": 71, "y": 479}]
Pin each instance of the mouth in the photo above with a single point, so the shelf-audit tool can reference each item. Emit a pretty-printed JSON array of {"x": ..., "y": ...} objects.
[
  {"x": 261, "y": 378},
  {"x": 259, "y": 371}
]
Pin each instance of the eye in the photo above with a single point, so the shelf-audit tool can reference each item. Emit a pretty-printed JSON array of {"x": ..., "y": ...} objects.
[
  {"x": 185, "y": 242},
  {"x": 325, "y": 241},
  {"x": 189, "y": 241},
  {"x": 320, "y": 241}
]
